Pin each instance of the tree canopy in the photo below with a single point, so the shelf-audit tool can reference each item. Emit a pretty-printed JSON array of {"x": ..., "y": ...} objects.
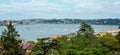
[{"x": 10, "y": 41}]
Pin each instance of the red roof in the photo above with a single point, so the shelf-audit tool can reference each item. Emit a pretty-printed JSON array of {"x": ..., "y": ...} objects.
[
  {"x": 27, "y": 45},
  {"x": 55, "y": 37}
]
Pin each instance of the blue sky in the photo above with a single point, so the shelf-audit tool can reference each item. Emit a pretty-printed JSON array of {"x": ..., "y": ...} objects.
[{"x": 84, "y": 9}]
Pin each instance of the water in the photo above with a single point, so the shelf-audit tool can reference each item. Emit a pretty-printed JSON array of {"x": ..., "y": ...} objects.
[{"x": 32, "y": 32}]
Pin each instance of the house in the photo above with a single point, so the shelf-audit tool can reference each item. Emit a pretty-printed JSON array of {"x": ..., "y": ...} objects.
[
  {"x": 26, "y": 46},
  {"x": 112, "y": 32},
  {"x": 56, "y": 37}
]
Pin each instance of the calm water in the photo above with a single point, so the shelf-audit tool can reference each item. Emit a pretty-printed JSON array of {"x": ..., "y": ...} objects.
[{"x": 32, "y": 32}]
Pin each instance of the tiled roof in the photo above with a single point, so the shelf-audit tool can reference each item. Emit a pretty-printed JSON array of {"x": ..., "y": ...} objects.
[
  {"x": 112, "y": 31},
  {"x": 107, "y": 31},
  {"x": 27, "y": 45},
  {"x": 55, "y": 37}
]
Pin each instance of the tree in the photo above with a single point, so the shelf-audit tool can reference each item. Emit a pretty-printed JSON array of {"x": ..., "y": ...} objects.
[
  {"x": 81, "y": 42},
  {"x": 10, "y": 41},
  {"x": 109, "y": 41},
  {"x": 85, "y": 38},
  {"x": 95, "y": 51},
  {"x": 43, "y": 46},
  {"x": 85, "y": 29},
  {"x": 118, "y": 36},
  {"x": 71, "y": 52}
]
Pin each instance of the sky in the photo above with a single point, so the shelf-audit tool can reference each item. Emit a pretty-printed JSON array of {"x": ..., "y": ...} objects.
[{"x": 49, "y": 9}]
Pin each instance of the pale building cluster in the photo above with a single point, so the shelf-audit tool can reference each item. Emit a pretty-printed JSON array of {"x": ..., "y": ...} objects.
[{"x": 112, "y": 32}]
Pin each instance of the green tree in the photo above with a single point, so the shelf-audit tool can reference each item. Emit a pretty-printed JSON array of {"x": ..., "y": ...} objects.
[
  {"x": 81, "y": 42},
  {"x": 118, "y": 36},
  {"x": 95, "y": 51},
  {"x": 71, "y": 52},
  {"x": 43, "y": 46},
  {"x": 85, "y": 29},
  {"x": 109, "y": 41},
  {"x": 10, "y": 41},
  {"x": 83, "y": 39}
]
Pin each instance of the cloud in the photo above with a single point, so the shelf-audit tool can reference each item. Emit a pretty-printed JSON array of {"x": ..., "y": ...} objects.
[
  {"x": 117, "y": 3},
  {"x": 59, "y": 8},
  {"x": 3, "y": 6},
  {"x": 4, "y": 9}
]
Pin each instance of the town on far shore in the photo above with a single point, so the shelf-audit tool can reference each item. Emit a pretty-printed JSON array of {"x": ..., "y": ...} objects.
[{"x": 108, "y": 21}]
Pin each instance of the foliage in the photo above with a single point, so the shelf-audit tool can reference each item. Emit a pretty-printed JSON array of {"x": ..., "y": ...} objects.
[
  {"x": 81, "y": 41},
  {"x": 71, "y": 52},
  {"x": 85, "y": 37},
  {"x": 10, "y": 42},
  {"x": 118, "y": 37},
  {"x": 109, "y": 41},
  {"x": 95, "y": 51},
  {"x": 43, "y": 46},
  {"x": 85, "y": 29}
]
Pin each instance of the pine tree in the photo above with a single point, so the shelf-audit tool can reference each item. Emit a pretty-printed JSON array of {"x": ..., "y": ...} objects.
[
  {"x": 10, "y": 41},
  {"x": 85, "y": 29}
]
